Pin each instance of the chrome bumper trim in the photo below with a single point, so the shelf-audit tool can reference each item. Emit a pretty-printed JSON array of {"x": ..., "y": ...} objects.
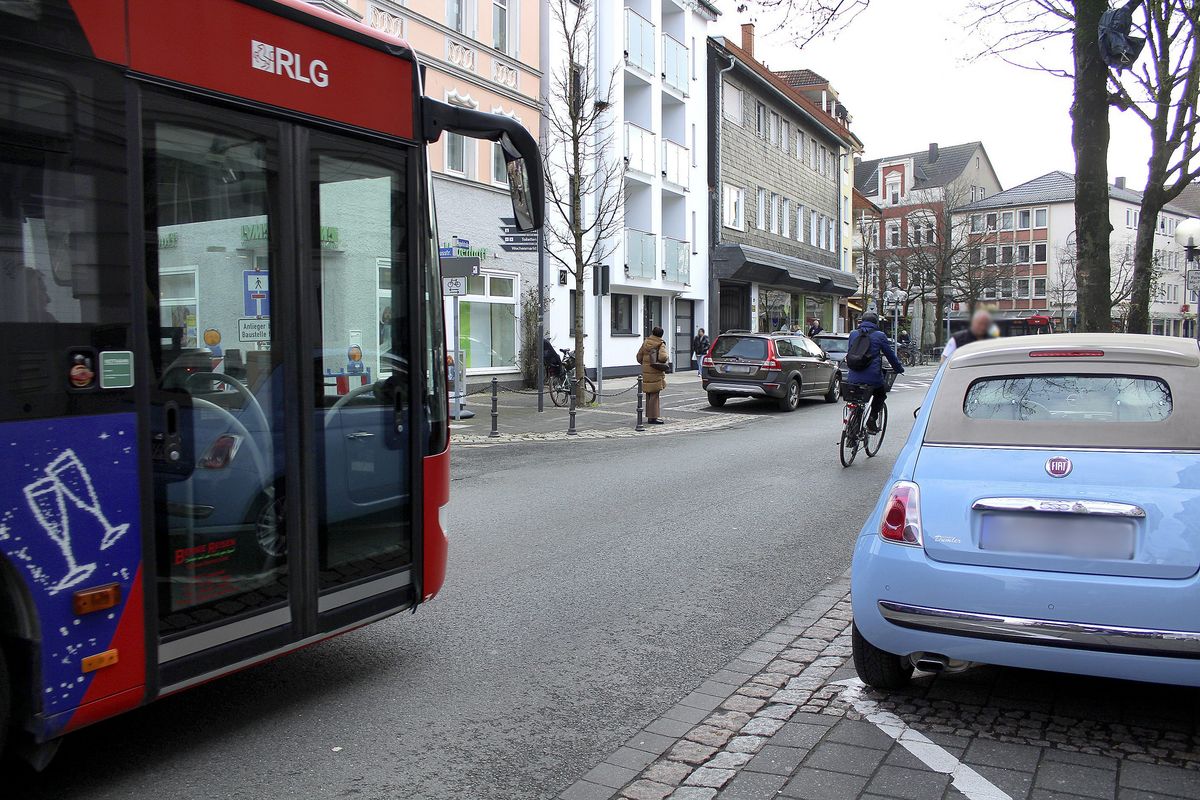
[
  {"x": 738, "y": 388},
  {"x": 1048, "y": 633}
]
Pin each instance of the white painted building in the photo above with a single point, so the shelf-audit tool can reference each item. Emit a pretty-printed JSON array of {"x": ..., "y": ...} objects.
[{"x": 659, "y": 266}]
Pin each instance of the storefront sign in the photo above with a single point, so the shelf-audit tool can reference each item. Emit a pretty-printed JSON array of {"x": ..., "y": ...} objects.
[
  {"x": 513, "y": 240},
  {"x": 462, "y": 248},
  {"x": 254, "y": 233},
  {"x": 254, "y": 330},
  {"x": 167, "y": 241}
]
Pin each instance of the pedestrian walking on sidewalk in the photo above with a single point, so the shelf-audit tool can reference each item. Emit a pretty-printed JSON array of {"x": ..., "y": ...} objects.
[
  {"x": 700, "y": 345},
  {"x": 655, "y": 361}
]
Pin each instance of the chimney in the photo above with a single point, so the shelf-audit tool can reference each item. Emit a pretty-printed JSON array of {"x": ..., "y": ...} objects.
[
  {"x": 933, "y": 152},
  {"x": 1120, "y": 182},
  {"x": 748, "y": 38}
]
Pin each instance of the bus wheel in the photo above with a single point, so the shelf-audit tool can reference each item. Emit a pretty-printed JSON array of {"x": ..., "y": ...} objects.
[{"x": 267, "y": 518}]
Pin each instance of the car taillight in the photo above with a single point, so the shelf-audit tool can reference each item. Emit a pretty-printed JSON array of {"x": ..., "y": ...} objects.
[
  {"x": 221, "y": 452},
  {"x": 772, "y": 363},
  {"x": 902, "y": 515},
  {"x": 1066, "y": 354},
  {"x": 708, "y": 361}
]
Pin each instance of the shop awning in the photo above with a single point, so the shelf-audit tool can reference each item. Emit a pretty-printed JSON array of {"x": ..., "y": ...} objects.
[
  {"x": 742, "y": 262},
  {"x": 854, "y": 306}
]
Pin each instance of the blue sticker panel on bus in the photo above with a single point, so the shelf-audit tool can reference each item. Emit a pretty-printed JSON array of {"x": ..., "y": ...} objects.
[{"x": 69, "y": 510}]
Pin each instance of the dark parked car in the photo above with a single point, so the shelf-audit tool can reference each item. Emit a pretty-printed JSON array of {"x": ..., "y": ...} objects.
[
  {"x": 780, "y": 366},
  {"x": 835, "y": 346}
]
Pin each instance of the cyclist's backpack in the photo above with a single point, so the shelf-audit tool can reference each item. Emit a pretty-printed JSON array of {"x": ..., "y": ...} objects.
[{"x": 858, "y": 357}]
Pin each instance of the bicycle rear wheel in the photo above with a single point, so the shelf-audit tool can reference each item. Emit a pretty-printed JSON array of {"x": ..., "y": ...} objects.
[
  {"x": 589, "y": 391},
  {"x": 848, "y": 446},
  {"x": 875, "y": 440}
]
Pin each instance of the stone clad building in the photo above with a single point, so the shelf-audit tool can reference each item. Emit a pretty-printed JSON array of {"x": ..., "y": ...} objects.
[{"x": 780, "y": 181}]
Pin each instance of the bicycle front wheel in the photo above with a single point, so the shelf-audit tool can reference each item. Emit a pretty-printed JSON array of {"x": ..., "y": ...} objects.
[
  {"x": 875, "y": 440},
  {"x": 848, "y": 446},
  {"x": 559, "y": 395}
]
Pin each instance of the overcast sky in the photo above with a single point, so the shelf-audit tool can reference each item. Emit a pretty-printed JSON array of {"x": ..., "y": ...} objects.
[{"x": 904, "y": 69}]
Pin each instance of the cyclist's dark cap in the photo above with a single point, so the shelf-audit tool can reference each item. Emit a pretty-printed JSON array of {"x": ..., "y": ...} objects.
[{"x": 870, "y": 316}]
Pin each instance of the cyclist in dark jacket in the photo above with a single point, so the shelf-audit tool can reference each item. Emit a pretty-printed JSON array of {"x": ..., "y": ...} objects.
[{"x": 873, "y": 374}]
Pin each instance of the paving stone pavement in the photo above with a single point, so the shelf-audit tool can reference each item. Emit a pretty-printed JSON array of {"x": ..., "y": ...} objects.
[{"x": 788, "y": 719}]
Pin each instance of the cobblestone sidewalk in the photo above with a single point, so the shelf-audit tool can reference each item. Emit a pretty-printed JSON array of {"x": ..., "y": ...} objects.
[{"x": 788, "y": 718}]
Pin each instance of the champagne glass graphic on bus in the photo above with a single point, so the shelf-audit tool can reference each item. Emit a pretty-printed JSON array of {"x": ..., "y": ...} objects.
[
  {"x": 67, "y": 479},
  {"x": 76, "y": 483},
  {"x": 46, "y": 501}
]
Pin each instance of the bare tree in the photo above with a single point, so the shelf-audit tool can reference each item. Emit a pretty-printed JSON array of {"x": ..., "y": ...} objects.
[
  {"x": 1009, "y": 28},
  {"x": 808, "y": 19},
  {"x": 1162, "y": 91},
  {"x": 585, "y": 172},
  {"x": 867, "y": 247},
  {"x": 1061, "y": 288},
  {"x": 939, "y": 254}
]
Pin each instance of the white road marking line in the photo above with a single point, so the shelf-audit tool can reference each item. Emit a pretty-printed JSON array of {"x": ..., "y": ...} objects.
[{"x": 973, "y": 785}]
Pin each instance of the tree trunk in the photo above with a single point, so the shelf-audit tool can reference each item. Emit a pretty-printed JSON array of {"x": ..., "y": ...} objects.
[
  {"x": 1090, "y": 137},
  {"x": 1138, "y": 317}
]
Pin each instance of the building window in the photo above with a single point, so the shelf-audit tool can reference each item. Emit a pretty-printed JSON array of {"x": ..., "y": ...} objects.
[
  {"x": 456, "y": 154},
  {"x": 1006, "y": 254},
  {"x": 800, "y": 145},
  {"x": 832, "y": 235},
  {"x": 775, "y": 129},
  {"x": 731, "y": 103},
  {"x": 775, "y": 216},
  {"x": 760, "y": 220},
  {"x": 989, "y": 255},
  {"x": 456, "y": 15},
  {"x": 991, "y": 220},
  {"x": 1039, "y": 253},
  {"x": 1023, "y": 219},
  {"x": 760, "y": 120},
  {"x": 734, "y": 214},
  {"x": 499, "y": 167},
  {"x": 500, "y": 35},
  {"x": 1006, "y": 221},
  {"x": 785, "y": 138},
  {"x": 1039, "y": 217},
  {"x": 488, "y": 322},
  {"x": 812, "y": 227},
  {"x": 1022, "y": 254},
  {"x": 977, "y": 223},
  {"x": 1006, "y": 289},
  {"x": 1022, "y": 287},
  {"x": 1039, "y": 287},
  {"x": 893, "y": 191},
  {"x": 622, "y": 314},
  {"x": 974, "y": 193},
  {"x": 786, "y": 219},
  {"x": 893, "y": 233},
  {"x": 812, "y": 156},
  {"x": 982, "y": 193}
]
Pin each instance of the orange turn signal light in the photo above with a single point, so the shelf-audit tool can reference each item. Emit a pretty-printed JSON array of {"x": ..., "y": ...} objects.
[
  {"x": 88, "y": 601},
  {"x": 99, "y": 661}
]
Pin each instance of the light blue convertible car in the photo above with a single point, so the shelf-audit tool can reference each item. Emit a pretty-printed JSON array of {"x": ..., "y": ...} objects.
[{"x": 1044, "y": 513}]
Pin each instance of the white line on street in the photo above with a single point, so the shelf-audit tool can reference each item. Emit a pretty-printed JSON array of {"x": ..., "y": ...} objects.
[{"x": 937, "y": 758}]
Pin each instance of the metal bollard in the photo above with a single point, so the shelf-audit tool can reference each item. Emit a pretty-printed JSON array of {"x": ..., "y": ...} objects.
[
  {"x": 495, "y": 412},
  {"x": 571, "y": 427},
  {"x": 640, "y": 426}
]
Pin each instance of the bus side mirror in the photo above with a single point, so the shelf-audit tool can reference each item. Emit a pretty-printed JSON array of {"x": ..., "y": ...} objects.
[{"x": 519, "y": 192}]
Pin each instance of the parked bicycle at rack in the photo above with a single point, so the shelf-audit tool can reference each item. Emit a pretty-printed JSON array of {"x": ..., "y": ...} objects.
[{"x": 559, "y": 379}]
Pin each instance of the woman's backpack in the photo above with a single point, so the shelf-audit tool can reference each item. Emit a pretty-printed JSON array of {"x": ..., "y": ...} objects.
[{"x": 858, "y": 356}]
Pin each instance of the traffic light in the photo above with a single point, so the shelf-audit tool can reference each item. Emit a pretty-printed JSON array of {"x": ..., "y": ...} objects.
[{"x": 1117, "y": 47}]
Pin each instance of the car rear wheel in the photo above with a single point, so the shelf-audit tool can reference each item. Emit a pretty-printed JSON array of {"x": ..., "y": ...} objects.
[
  {"x": 835, "y": 386},
  {"x": 877, "y": 668},
  {"x": 716, "y": 400},
  {"x": 791, "y": 400}
]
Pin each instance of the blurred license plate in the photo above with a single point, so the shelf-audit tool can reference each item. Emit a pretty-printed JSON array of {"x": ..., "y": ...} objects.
[
  {"x": 1072, "y": 535},
  {"x": 736, "y": 369}
]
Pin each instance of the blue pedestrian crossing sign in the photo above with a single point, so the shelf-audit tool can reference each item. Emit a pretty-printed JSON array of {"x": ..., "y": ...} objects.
[{"x": 256, "y": 294}]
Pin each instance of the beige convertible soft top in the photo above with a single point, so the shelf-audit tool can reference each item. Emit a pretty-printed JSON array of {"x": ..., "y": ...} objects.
[{"x": 1173, "y": 360}]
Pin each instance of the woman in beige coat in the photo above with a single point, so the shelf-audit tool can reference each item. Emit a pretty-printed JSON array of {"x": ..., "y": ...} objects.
[{"x": 653, "y": 350}]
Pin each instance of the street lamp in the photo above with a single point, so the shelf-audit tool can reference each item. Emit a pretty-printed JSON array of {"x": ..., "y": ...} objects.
[{"x": 1187, "y": 236}]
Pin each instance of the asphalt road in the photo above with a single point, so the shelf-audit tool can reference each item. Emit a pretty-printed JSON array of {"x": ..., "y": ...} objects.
[{"x": 592, "y": 584}]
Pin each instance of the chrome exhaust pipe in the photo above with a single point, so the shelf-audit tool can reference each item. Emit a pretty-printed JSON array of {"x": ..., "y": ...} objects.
[{"x": 937, "y": 663}]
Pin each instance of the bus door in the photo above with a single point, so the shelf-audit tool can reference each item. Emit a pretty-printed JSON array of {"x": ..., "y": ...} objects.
[{"x": 281, "y": 339}]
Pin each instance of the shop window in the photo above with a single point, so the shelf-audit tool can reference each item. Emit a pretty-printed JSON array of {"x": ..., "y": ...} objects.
[{"x": 487, "y": 326}]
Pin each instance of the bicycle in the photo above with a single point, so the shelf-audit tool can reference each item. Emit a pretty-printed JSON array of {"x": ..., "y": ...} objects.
[
  {"x": 559, "y": 380},
  {"x": 859, "y": 399},
  {"x": 911, "y": 355}
]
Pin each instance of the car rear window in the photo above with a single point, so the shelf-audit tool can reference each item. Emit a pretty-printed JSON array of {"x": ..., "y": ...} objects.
[
  {"x": 832, "y": 344},
  {"x": 1067, "y": 397},
  {"x": 740, "y": 347}
]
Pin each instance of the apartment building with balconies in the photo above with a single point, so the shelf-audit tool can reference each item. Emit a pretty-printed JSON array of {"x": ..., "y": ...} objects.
[
  {"x": 658, "y": 264},
  {"x": 781, "y": 184}
]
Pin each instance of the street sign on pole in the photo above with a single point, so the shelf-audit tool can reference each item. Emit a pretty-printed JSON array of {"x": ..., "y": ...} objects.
[
  {"x": 454, "y": 287},
  {"x": 460, "y": 267},
  {"x": 1193, "y": 280}
]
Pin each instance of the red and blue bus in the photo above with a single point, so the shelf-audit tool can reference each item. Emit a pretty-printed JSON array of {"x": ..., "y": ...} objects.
[{"x": 223, "y": 428}]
